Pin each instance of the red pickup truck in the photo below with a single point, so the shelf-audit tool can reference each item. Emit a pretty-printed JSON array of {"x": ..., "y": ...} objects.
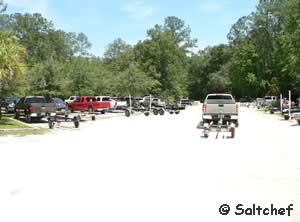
[{"x": 89, "y": 103}]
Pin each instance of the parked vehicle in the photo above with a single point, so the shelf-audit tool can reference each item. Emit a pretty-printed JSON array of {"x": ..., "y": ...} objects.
[
  {"x": 156, "y": 102},
  {"x": 113, "y": 103},
  {"x": 121, "y": 103},
  {"x": 8, "y": 104},
  {"x": 61, "y": 106},
  {"x": 270, "y": 99},
  {"x": 185, "y": 101},
  {"x": 259, "y": 102},
  {"x": 34, "y": 107},
  {"x": 71, "y": 99},
  {"x": 90, "y": 104}
]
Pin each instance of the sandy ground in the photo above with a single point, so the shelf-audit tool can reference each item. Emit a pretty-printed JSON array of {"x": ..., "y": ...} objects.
[{"x": 155, "y": 168}]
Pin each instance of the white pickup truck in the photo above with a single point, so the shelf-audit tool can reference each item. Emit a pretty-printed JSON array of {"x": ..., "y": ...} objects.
[{"x": 220, "y": 107}]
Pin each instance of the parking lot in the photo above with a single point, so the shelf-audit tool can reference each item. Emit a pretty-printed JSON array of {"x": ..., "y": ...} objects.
[{"x": 155, "y": 168}]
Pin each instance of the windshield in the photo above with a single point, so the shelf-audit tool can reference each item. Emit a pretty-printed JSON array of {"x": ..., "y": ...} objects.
[{"x": 35, "y": 100}]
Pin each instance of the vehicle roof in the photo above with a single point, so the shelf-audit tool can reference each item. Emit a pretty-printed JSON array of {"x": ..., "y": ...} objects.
[{"x": 218, "y": 94}]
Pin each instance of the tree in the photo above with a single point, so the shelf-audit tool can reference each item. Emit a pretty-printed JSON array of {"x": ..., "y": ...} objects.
[
  {"x": 45, "y": 79},
  {"x": 133, "y": 81},
  {"x": 11, "y": 57},
  {"x": 179, "y": 32},
  {"x": 116, "y": 49},
  {"x": 2, "y": 7},
  {"x": 83, "y": 44}
]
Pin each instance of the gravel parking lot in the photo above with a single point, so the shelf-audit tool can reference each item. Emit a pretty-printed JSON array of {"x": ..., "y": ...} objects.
[{"x": 155, "y": 168}]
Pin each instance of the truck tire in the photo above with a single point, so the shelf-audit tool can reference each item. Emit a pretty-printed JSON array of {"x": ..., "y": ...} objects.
[
  {"x": 161, "y": 112},
  {"x": 147, "y": 113},
  {"x": 286, "y": 117},
  {"x": 103, "y": 112},
  {"x": 16, "y": 115},
  {"x": 90, "y": 109},
  {"x": 28, "y": 118},
  {"x": 177, "y": 112}
]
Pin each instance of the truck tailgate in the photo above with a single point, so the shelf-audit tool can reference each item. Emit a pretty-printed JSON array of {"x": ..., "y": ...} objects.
[
  {"x": 221, "y": 108},
  {"x": 43, "y": 108}
]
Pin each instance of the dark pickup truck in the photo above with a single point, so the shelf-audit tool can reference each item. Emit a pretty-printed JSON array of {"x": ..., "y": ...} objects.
[{"x": 34, "y": 107}]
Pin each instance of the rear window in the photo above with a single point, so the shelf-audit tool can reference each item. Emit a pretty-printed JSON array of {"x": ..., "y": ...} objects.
[
  {"x": 219, "y": 97},
  {"x": 105, "y": 99},
  {"x": 35, "y": 100}
]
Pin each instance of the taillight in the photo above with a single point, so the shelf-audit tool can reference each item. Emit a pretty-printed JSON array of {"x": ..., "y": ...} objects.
[
  {"x": 204, "y": 109},
  {"x": 30, "y": 108}
]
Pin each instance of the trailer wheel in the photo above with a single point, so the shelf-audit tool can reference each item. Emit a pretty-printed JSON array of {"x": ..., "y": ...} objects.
[
  {"x": 232, "y": 130},
  {"x": 298, "y": 121},
  {"x": 127, "y": 113},
  {"x": 76, "y": 123},
  {"x": 155, "y": 112},
  {"x": 147, "y": 113},
  {"x": 51, "y": 124},
  {"x": 161, "y": 112}
]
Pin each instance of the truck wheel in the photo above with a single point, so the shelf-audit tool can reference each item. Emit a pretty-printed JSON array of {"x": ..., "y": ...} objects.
[
  {"x": 28, "y": 118},
  {"x": 171, "y": 112},
  {"x": 161, "y": 112},
  {"x": 286, "y": 117},
  {"x": 103, "y": 112},
  {"x": 177, "y": 112},
  {"x": 147, "y": 113},
  {"x": 155, "y": 112},
  {"x": 51, "y": 124},
  {"x": 127, "y": 113},
  {"x": 90, "y": 109}
]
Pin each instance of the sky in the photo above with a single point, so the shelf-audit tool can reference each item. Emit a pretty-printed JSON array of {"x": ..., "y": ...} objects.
[{"x": 103, "y": 21}]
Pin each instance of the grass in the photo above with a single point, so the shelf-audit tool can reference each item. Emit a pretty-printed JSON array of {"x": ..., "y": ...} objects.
[
  {"x": 12, "y": 127},
  {"x": 22, "y": 133},
  {"x": 9, "y": 123}
]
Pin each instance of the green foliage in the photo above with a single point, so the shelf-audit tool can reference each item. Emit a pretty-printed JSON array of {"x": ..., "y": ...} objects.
[{"x": 262, "y": 57}]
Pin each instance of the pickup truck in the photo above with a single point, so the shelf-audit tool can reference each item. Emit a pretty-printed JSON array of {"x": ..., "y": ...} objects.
[
  {"x": 90, "y": 104},
  {"x": 113, "y": 103},
  {"x": 217, "y": 106},
  {"x": 34, "y": 107},
  {"x": 156, "y": 102}
]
